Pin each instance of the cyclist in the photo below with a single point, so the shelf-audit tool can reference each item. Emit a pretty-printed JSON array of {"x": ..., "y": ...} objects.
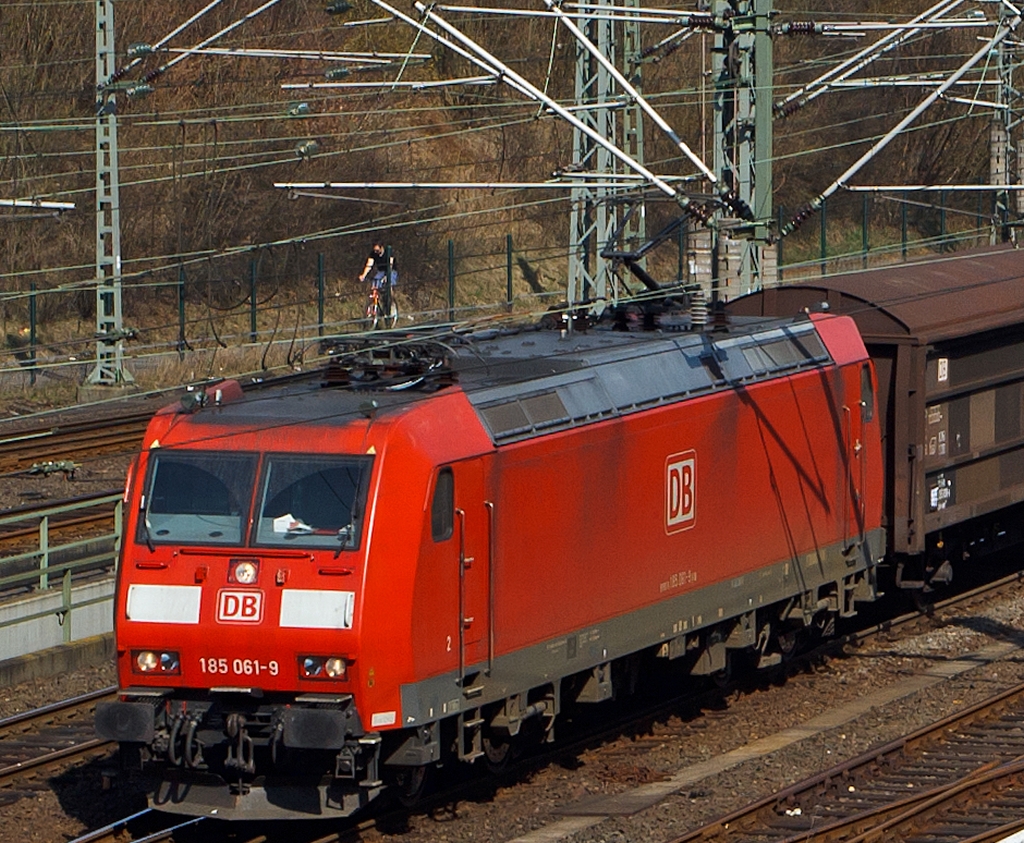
[
  {"x": 383, "y": 278},
  {"x": 377, "y": 266}
]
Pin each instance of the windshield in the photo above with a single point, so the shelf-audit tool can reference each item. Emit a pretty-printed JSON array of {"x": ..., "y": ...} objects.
[
  {"x": 197, "y": 497},
  {"x": 312, "y": 501}
]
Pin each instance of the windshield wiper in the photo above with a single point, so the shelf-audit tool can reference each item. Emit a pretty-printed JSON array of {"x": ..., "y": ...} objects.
[
  {"x": 344, "y": 537},
  {"x": 145, "y": 524}
]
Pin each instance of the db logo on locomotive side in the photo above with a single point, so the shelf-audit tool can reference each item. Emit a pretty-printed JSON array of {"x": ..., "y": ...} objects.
[
  {"x": 680, "y": 491},
  {"x": 239, "y": 606}
]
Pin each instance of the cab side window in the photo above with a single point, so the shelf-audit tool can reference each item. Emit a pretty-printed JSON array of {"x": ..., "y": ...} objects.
[{"x": 442, "y": 510}]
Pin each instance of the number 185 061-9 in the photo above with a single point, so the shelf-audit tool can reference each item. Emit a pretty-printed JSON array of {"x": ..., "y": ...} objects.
[{"x": 238, "y": 667}]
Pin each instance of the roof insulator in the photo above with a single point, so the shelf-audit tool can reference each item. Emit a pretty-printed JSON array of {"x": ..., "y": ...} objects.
[
  {"x": 334, "y": 73},
  {"x": 299, "y": 109},
  {"x": 338, "y": 7},
  {"x": 137, "y": 51},
  {"x": 137, "y": 92}
]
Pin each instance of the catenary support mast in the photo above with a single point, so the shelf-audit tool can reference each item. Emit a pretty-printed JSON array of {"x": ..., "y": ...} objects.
[
  {"x": 596, "y": 208},
  {"x": 109, "y": 369},
  {"x": 742, "y": 255}
]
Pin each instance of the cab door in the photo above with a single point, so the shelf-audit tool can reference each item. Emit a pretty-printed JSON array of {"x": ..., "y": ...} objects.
[
  {"x": 859, "y": 410},
  {"x": 474, "y": 515}
]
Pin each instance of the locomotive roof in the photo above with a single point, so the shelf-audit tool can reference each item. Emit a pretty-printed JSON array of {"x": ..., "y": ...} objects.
[
  {"x": 922, "y": 302},
  {"x": 527, "y": 382},
  {"x": 540, "y": 383}
]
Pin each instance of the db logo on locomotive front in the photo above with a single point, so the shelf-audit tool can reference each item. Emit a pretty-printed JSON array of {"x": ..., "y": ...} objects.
[
  {"x": 680, "y": 491},
  {"x": 239, "y": 606}
]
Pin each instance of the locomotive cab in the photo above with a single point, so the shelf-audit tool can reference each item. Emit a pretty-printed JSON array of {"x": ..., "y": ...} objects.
[{"x": 248, "y": 678}]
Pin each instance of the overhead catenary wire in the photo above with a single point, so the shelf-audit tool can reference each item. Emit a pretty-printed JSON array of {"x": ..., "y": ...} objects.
[
  {"x": 1003, "y": 30},
  {"x": 468, "y": 49},
  {"x": 142, "y": 183},
  {"x": 452, "y": 330},
  {"x": 862, "y": 59},
  {"x": 154, "y": 74},
  {"x": 172, "y": 262},
  {"x": 289, "y": 153}
]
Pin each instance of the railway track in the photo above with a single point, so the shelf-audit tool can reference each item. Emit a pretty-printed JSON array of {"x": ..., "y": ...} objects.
[
  {"x": 786, "y": 816},
  {"x": 625, "y": 763},
  {"x": 37, "y": 742},
  {"x": 115, "y": 433},
  {"x": 146, "y": 825},
  {"x": 73, "y": 441},
  {"x": 959, "y": 779}
]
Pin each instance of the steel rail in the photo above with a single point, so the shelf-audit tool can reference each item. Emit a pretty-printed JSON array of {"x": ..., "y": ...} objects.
[
  {"x": 32, "y": 722},
  {"x": 829, "y": 790},
  {"x": 21, "y": 451},
  {"x": 7, "y": 723},
  {"x": 69, "y": 752}
]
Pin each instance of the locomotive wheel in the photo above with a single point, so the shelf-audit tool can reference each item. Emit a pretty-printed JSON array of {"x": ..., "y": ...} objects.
[
  {"x": 924, "y": 601},
  {"x": 410, "y": 784},
  {"x": 497, "y": 751},
  {"x": 790, "y": 642}
]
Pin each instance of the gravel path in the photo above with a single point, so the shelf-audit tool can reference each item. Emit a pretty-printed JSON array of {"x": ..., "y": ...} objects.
[{"x": 69, "y": 804}]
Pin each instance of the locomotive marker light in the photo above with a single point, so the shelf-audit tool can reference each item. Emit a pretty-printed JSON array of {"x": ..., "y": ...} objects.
[
  {"x": 244, "y": 571},
  {"x": 680, "y": 492},
  {"x": 319, "y": 667},
  {"x": 150, "y": 661}
]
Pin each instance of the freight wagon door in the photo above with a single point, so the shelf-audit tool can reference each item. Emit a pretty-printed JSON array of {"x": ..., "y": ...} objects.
[{"x": 473, "y": 518}]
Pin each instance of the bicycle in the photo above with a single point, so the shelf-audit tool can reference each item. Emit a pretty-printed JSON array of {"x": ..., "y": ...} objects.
[{"x": 381, "y": 309}]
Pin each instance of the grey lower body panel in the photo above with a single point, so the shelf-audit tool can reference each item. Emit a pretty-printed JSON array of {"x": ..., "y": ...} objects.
[{"x": 583, "y": 649}]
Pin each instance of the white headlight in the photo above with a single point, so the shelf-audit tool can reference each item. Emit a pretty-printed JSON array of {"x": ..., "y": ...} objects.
[
  {"x": 335, "y": 667},
  {"x": 147, "y": 661},
  {"x": 246, "y": 572}
]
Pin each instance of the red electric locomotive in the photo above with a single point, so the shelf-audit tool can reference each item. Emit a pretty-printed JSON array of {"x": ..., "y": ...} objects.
[{"x": 328, "y": 589}]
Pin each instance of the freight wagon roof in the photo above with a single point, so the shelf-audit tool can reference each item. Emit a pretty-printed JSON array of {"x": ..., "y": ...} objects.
[{"x": 924, "y": 302}]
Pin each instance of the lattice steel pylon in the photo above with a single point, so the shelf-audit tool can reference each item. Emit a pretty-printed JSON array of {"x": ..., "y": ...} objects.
[
  {"x": 109, "y": 369},
  {"x": 1006, "y": 163},
  {"x": 744, "y": 257},
  {"x": 597, "y": 209}
]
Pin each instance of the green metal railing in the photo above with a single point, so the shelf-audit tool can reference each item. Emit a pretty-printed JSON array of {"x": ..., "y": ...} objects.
[{"x": 51, "y": 566}]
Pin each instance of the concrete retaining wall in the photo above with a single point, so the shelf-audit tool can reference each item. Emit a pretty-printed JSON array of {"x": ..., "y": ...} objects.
[
  {"x": 89, "y": 652},
  {"x": 41, "y": 633}
]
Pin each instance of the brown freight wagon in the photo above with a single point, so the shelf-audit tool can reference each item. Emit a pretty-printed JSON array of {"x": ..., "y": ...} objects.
[{"x": 947, "y": 340}]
